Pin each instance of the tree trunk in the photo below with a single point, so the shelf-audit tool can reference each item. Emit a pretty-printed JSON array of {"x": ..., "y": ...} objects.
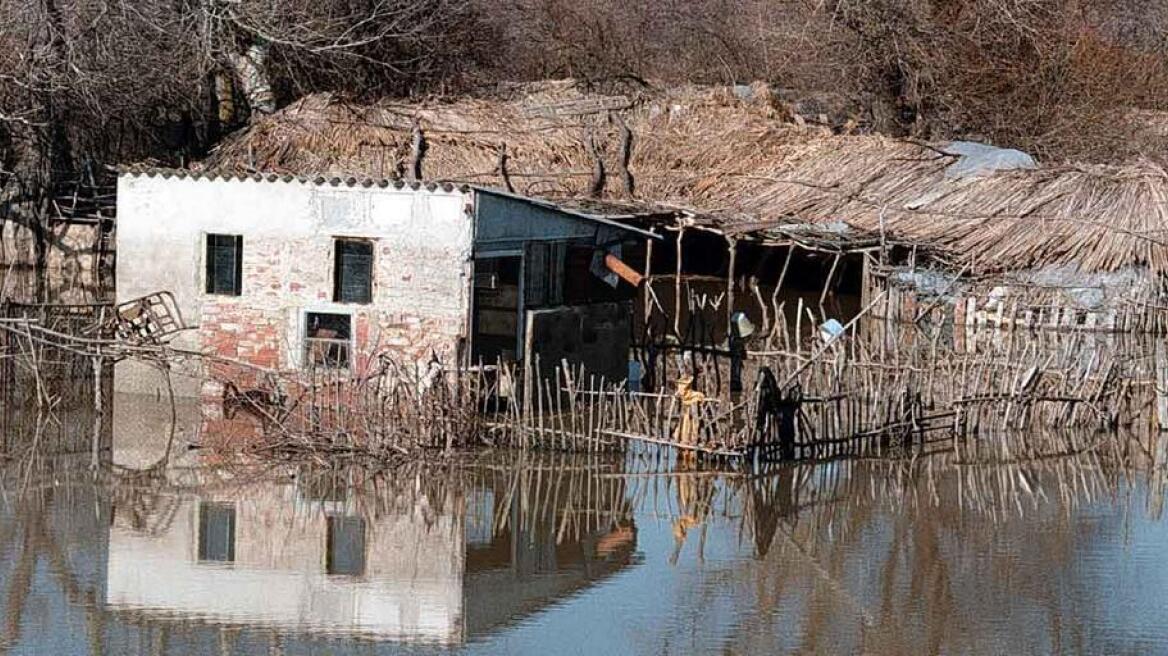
[
  {"x": 58, "y": 158},
  {"x": 251, "y": 71},
  {"x": 224, "y": 98}
]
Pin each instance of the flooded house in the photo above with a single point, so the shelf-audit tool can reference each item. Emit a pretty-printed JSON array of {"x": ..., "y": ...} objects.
[
  {"x": 294, "y": 272},
  {"x": 607, "y": 229},
  {"x": 298, "y": 242},
  {"x": 767, "y": 198}
]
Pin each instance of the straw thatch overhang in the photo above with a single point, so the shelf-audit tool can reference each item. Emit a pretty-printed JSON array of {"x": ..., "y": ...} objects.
[
  {"x": 730, "y": 160},
  {"x": 831, "y": 237}
]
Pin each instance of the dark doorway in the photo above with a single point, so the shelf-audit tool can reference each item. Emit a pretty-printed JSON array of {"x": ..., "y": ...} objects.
[{"x": 496, "y": 309}]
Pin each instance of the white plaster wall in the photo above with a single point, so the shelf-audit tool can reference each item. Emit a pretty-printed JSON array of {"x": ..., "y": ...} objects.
[{"x": 423, "y": 242}]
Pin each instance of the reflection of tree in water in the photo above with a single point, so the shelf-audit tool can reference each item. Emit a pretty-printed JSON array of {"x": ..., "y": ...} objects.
[
  {"x": 917, "y": 558},
  {"x": 850, "y": 556},
  {"x": 31, "y": 542},
  {"x": 568, "y": 495},
  {"x": 770, "y": 500}
]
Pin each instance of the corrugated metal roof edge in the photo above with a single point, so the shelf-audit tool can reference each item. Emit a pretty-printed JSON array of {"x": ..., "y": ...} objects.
[
  {"x": 609, "y": 220},
  {"x": 319, "y": 180}
]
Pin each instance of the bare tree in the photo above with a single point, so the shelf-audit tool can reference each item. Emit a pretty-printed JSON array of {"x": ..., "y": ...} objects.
[
  {"x": 1055, "y": 77},
  {"x": 90, "y": 82}
]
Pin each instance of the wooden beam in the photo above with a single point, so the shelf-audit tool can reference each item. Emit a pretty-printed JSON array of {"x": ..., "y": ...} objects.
[
  {"x": 677, "y": 286},
  {"x": 827, "y": 283},
  {"x": 624, "y": 271},
  {"x": 648, "y": 272},
  {"x": 732, "y": 245}
]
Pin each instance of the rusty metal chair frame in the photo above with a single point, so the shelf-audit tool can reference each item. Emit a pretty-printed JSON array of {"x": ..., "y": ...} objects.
[{"x": 148, "y": 319}]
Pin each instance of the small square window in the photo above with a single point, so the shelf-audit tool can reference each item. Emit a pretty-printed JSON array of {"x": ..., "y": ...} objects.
[
  {"x": 353, "y": 271},
  {"x": 217, "y": 532},
  {"x": 327, "y": 339},
  {"x": 224, "y": 265}
]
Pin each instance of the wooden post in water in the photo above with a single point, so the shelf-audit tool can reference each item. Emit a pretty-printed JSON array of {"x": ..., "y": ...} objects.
[
  {"x": 1161, "y": 364},
  {"x": 646, "y": 300},
  {"x": 732, "y": 246},
  {"x": 95, "y": 446},
  {"x": 779, "y": 306},
  {"x": 677, "y": 286}
]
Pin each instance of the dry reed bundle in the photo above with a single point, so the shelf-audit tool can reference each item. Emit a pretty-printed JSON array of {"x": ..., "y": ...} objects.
[{"x": 736, "y": 164}]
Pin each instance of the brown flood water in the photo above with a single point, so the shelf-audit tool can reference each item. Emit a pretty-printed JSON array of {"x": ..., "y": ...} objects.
[{"x": 539, "y": 554}]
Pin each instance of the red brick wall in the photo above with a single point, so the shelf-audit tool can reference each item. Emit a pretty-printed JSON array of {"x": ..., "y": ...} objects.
[{"x": 282, "y": 280}]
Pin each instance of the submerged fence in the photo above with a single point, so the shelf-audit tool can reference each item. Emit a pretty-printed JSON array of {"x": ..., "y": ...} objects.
[{"x": 870, "y": 389}]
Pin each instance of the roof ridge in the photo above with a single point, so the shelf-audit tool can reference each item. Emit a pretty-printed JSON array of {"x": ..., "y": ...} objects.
[{"x": 318, "y": 180}]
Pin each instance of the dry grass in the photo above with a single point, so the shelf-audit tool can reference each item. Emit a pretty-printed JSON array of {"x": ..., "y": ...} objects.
[{"x": 736, "y": 161}]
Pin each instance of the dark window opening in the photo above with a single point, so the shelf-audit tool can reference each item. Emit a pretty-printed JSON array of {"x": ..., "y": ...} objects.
[
  {"x": 345, "y": 551},
  {"x": 353, "y": 271},
  {"x": 496, "y": 309},
  {"x": 225, "y": 264},
  {"x": 327, "y": 339},
  {"x": 543, "y": 270},
  {"x": 217, "y": 532}
]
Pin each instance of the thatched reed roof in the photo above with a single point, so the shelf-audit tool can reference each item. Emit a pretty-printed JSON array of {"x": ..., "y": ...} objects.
[{"x": 737, "y": 158}]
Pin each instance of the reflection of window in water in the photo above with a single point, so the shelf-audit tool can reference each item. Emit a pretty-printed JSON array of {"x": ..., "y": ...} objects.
[
  {"x": 480, "y": 516},
  {"x": 345, "y": 551},
  {"x": 217, "y": 532},
  {"x": 327, "y": 339}
]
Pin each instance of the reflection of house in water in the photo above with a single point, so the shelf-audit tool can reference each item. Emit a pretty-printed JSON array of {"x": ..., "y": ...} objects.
[
  {"x": 273, "y": 556},
  {"x": 439, "y": 567}
]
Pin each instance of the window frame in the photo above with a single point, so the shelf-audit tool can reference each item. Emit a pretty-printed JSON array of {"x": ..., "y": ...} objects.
[
  {"x": 209, "y": 265},
  {"x": 208, "y": 510},
  {"x": 306, "y": 341},
  {"x": 338, "y": 269},
  {"x": 336, "y": 526}
]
